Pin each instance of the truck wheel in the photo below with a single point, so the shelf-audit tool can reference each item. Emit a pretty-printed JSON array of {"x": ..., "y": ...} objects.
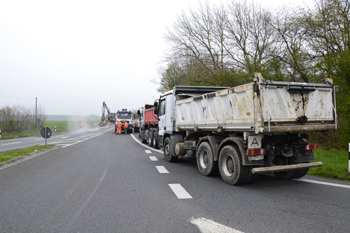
[
  {"x": 300, "y": 173},
  {"x": 167, "y": 152},
  {"x": 205, "y": 160},
  {"x": 155, "y": 140},
  {"x": 251, "y": 177},
  {"x": 287, "y": 175},
  {"x": 142, "y": 133},
  {"x": 150, "y": 138},
  {"x": 230, "y": 166}
]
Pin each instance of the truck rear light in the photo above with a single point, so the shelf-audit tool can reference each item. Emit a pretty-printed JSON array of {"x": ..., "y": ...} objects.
[
  {"x": 311, "y": 147},
  {"x": 256, "y": 152}
]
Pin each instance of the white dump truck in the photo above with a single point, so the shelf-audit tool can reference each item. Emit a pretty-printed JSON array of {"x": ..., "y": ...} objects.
[{"x": 240, "y": 132}]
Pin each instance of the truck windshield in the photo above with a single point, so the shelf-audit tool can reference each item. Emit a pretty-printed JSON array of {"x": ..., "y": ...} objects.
[{"x": 124, "y": 115}]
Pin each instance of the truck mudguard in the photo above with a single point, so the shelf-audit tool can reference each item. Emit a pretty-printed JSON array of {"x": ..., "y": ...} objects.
[{"x": 173, "y": 140}]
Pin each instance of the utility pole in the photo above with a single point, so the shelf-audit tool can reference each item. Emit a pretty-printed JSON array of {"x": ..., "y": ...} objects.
[{"x": 36, "y": 110}]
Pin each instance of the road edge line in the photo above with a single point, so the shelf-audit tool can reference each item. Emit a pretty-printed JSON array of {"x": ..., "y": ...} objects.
[{"x": 148, "y": 147}]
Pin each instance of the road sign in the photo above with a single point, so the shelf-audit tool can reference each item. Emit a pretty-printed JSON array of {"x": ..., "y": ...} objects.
[{"x": 46, "y": 133}]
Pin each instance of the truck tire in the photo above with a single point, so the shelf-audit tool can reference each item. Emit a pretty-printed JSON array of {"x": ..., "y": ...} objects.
[
  {"x": 155, "y": 140},
  {"x": 142, "y": 136},
  {"x": 150, "y": 138},
  {"x": 230, "y": 166},
  {"x": 287, "y": 175},
  {"x": 251, "y": 177},
  {"x": 167, "y": 151},
  {"x": 300, "y": 173},
  {"x": 205, "y": 160}
]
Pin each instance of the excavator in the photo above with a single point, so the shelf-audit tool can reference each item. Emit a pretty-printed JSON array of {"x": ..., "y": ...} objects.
[{"x": 109, "y": 118}]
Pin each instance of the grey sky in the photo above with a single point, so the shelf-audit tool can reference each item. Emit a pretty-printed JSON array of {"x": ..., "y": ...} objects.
[{"x": 73, "y": 55}]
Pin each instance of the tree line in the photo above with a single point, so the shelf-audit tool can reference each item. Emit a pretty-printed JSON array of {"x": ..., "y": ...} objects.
[
  {"x": 223, "y": 44},
  {"x": 19, "y": 118}
]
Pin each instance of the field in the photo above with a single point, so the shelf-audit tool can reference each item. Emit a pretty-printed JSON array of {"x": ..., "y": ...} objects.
[{"x": 61, "y": 126}]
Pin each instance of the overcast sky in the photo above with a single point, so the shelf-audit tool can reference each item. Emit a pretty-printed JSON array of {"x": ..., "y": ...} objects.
[{"x": 73, "y": 55}]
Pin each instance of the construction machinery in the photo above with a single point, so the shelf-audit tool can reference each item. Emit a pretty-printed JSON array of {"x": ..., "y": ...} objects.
[{"x": 109, "y": 118}]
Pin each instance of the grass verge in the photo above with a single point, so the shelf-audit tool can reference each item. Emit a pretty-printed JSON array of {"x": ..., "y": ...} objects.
[
  {"x": 12, "y": 154},
  {"x": 335, "y": 164}
]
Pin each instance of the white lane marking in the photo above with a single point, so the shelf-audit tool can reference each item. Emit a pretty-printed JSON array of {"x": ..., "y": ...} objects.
[
  {"x": 162, "y": 169},
  {"x": 153, "y": 158},
  {"x": 159, "y": 151},
  {"x": 84, "y": 138},
  {"x": 208, "y": 226},
  {"x": 324, "y": 183},
  {"x": 65, "y": 137},
  {"x": 39, "y": 139},
  {"x": 11, "y": 143},
  {"x": 148, "y": 152},
  {"x": 179, "y": 191}
]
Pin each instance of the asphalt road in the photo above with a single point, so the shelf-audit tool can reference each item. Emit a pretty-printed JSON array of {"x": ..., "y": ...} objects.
[{"x": 111, "y": 183}]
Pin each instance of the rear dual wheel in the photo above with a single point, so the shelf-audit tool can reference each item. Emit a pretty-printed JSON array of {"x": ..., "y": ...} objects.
[
  {"x": 295, "y": 174},
  {"x": 205, "y": 160},
  {"x": 231, "y": 169},
  {"x": 155, "y": 140},
  {"x": 150, "y": 138},
  {"x": 142, "y": 136}
]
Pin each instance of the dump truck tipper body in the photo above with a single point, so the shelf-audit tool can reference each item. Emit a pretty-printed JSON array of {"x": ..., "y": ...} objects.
[{"x": 260, "y": 107}]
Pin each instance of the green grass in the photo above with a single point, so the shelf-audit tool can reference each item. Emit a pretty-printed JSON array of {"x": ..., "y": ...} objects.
[
  {"x": 335, "y": 164},
  {"x": 12, "y": 154}
]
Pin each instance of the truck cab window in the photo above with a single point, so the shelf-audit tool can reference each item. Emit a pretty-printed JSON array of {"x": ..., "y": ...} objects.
[{"x": 162, "y": 107}]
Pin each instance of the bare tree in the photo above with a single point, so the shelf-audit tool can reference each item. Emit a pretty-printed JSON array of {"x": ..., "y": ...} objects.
[{"x": 249, "y": 33}]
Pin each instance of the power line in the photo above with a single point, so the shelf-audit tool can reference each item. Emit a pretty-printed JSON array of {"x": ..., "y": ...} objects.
[{"x": 17, "y": 97}]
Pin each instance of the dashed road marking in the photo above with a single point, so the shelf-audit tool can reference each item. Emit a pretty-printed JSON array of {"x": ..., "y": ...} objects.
[
  {"x": 179, "y": 191},
  {"x": 153, "y": 158},
  {"x": 148, "y": 152},
  {"x": 70, "y": 142},
  {"x": 11, "y": 143},
  {"x": 162, "y": 169},
  {"x": 324, "y": 183}
]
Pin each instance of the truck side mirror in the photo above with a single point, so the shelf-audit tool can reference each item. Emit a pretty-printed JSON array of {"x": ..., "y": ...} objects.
[{"x": 156, "y": 108}]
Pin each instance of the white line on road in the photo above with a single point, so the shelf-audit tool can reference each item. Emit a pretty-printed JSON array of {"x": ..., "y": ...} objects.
[
  {"x": 207, "y": 226},
  {"x": 11, "y": 143},
  {"x": 148, "y": 152},
  {"x": 65, "y": 137},
  {"x": 153, "y": 158},
  {"x": 136, "y": 140},
  {"x": 162, "y": 169},
  {"x": 179, "y": 191},
  {"x": 324, "y": 183}
]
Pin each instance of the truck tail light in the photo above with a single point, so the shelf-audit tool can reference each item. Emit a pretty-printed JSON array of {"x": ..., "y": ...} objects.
[
  {"x": 256, "y": 151},
  {"x": 311, "y": 147}
]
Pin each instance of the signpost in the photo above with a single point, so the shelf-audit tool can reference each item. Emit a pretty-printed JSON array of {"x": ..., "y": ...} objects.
[{"x": 46, "y": 133}]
